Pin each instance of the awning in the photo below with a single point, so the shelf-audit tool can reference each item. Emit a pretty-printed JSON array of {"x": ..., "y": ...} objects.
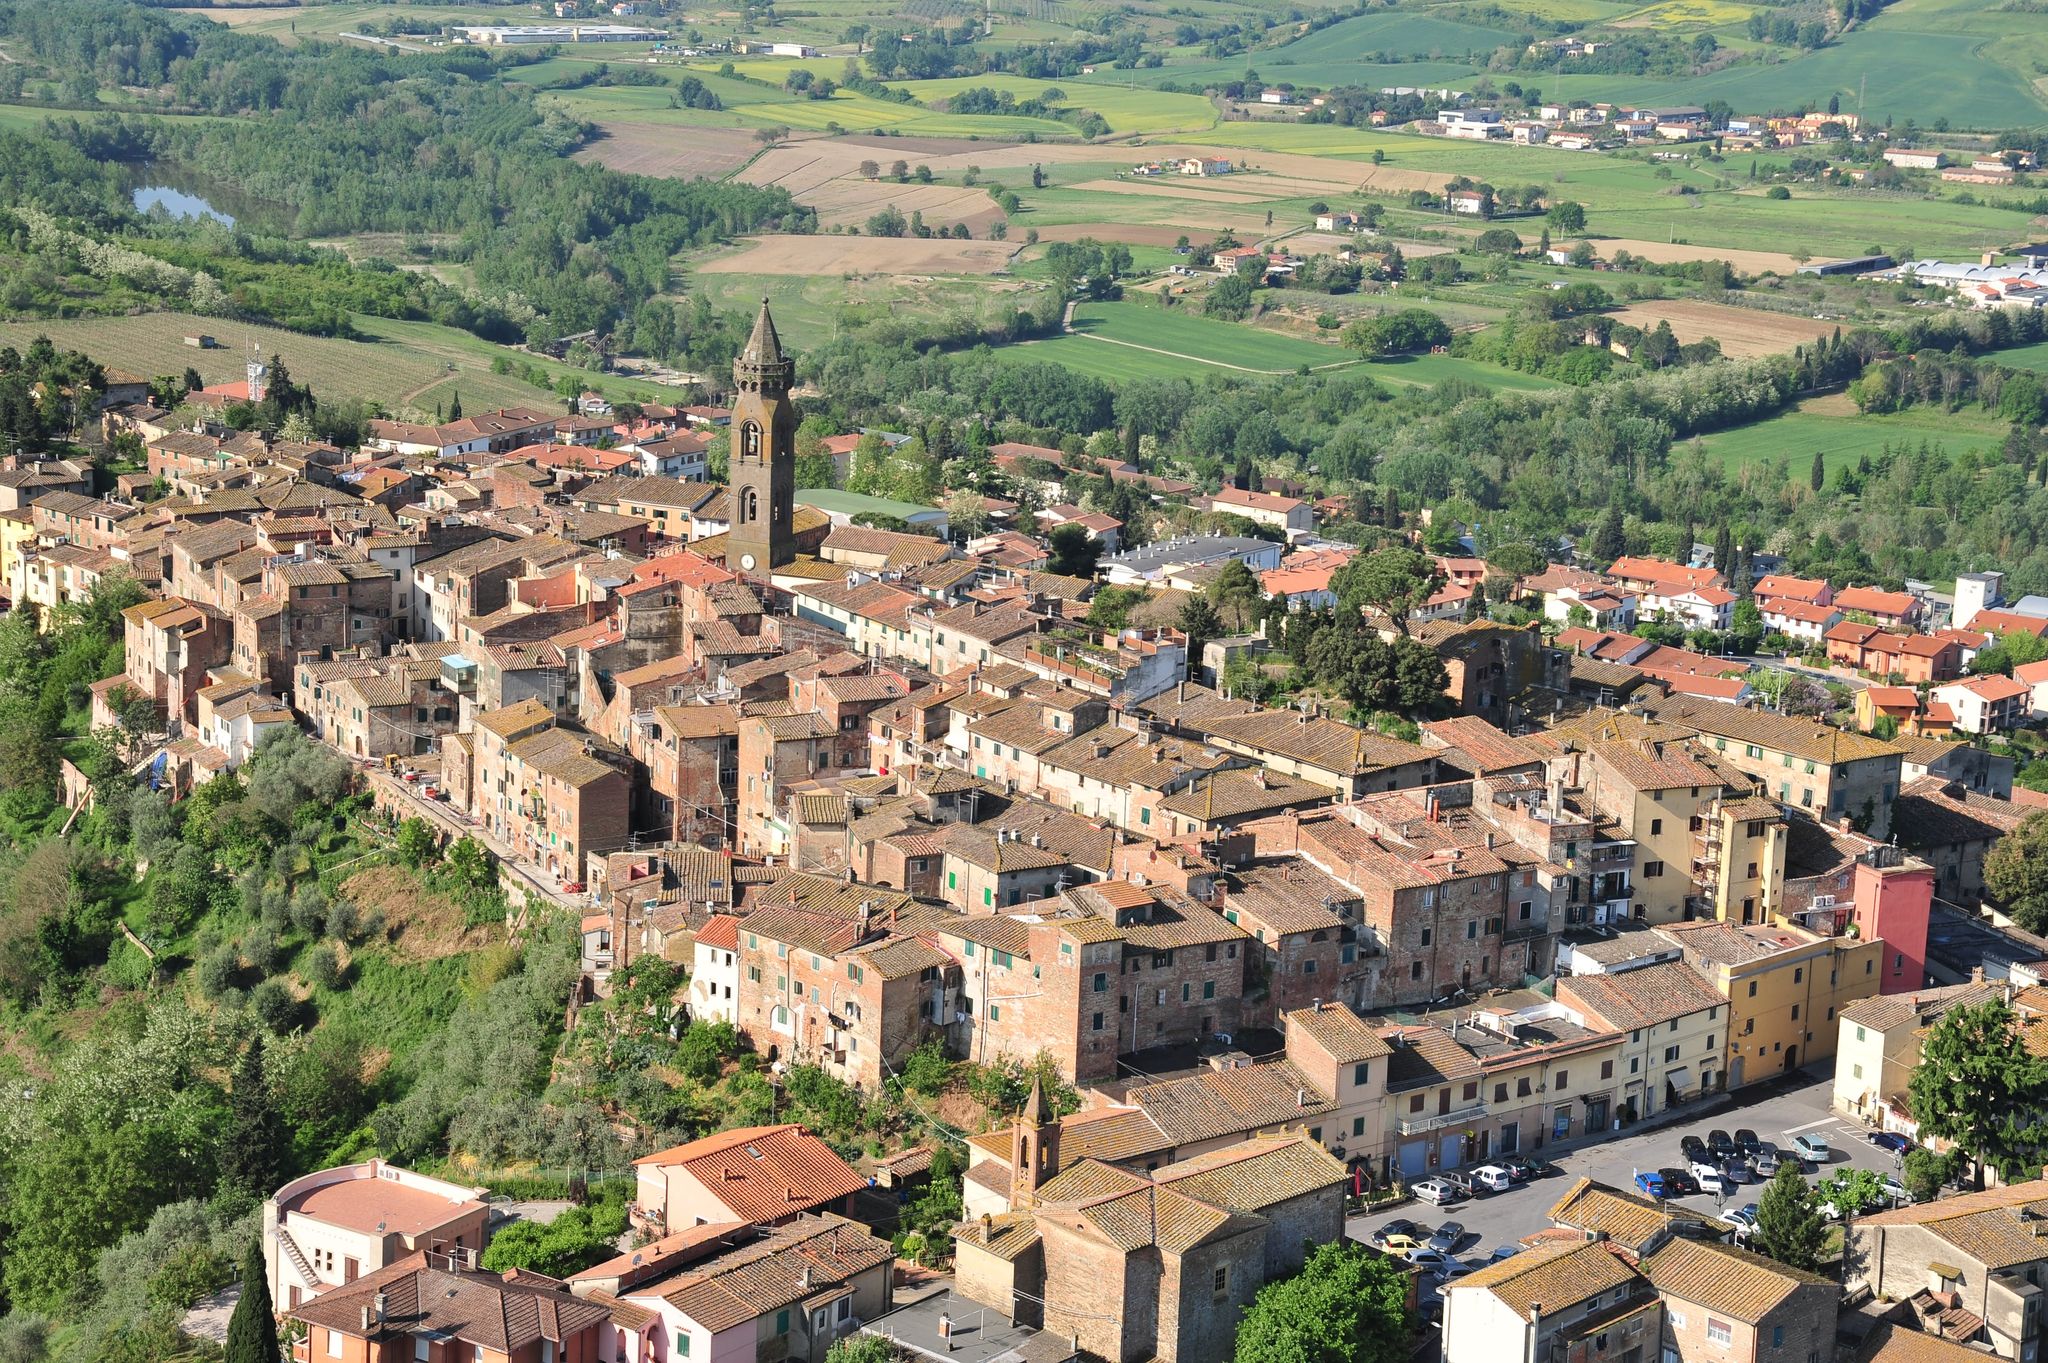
[{"x": 1679, "y": 1078}]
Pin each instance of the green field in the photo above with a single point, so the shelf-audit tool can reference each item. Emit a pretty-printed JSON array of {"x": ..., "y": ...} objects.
[
  {"x": 1179, "y": 332},
  {"x": 1428, "y": 370},
  {"x": 1843, "y": 436},
  {"x": 1128, "y": 110},
  {"x": 406, "y": 363}
]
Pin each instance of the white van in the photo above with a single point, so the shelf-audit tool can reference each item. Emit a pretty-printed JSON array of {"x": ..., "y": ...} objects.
[{"x": 1493, "y": 1178}]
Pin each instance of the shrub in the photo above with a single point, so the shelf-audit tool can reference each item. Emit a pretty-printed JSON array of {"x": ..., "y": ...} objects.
[
  {"x": 322, "y": 967},
  {"x": 1777, "y": 192},
  {"x": 219, "y": 971},
  {"x": 262, "y": 949},
  {"x": 274, "y": 1005}
]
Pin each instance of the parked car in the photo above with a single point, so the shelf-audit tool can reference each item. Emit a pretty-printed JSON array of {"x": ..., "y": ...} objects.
[
  {"x": 1709, "y": 1177},
  {"x": 1518, "y": 1169},
  {"x": 1448, "y": 1237},
  {"x": 1894, "y": 1190},
  {"x": 1401, "y": 1244},
  {"x": 1527, "y": 1166},
  {"x": 1428, "y": 1259},
  {"x": 1812, "y": 1149},
  {"x": 1691, "y": 1148},
  {"x": 1678, "y": 1183},
  {"x": 1720, "y": 1142},
  {"x": 1650, "y": 1183},
  {"x": 1743, "y": 1218},
  {"x": 1764, "y": 1163},
  {"x": 1450, "y": 1273},
  {"x": 1398, "y": 1226},
  {"x": 1735, "y": 1169},
  {"x": 1492, "y": 1178},
  {"x": 1501, "y": 1252},
  {"x": 1892, "y": 1141},
  {"x": 1438, "y": 1193},
  {"x": 1746, "y": 1141}
]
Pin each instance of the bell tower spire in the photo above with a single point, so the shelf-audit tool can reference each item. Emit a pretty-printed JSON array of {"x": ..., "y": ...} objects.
[{"x": 761, "y": 463}]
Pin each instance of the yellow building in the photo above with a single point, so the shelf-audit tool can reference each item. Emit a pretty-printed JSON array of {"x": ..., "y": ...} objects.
[
  {"x": 1739, "y": 858},
  {"x": 1650, "y": 779},
  {"x": 1785, "y": 988}
]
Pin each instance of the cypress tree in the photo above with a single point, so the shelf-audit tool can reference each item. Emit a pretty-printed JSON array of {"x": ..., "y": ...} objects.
[
  {"x": 252, "y": 1330},
  {"x": 251, "y": 1157},
  {"x": 1819, "y": 474}
]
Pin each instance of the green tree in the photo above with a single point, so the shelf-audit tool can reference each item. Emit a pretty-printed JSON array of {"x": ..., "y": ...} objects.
[
  {"x": 1237, "y": 596},
  {"x": 1817, "y": 476},
  {"x": 861, "y": 1348},
  {"x": 2016, "y": 872},
  {"x": 1926, "y": 1172},
  {"x": 1977, "y": 1086},
  {"x": 416, "y": 843},
  {"x": 252, "y": 1147},
  {"x": 1393, "y": 581},
  {"x": 1788, "y": 1226},
  {"x": 1346, "y": 1305},
  {"x": 252, "y": 1329},
  {"x": 1568, "y": 217},
  {"x": 1199, "y": 621},
  {"x": 470, "y": 864},
  {"x": 1608, "y": 543},
  {"x": 1072, "y": 551}
]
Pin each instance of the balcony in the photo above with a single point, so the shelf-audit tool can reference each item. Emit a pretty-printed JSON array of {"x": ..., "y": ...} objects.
[
  {"x": 1523, "y": 932},
  {"x": 1457, "y": 1116}
]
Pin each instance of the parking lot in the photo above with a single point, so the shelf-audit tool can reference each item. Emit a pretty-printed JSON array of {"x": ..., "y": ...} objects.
[{"x": 1777, "y": 1113}]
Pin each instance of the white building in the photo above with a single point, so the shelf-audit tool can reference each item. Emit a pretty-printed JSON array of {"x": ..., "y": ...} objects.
[
  {"x": 337, "y": 1225},
  {"x": 714, "y": 978},
  {"x": 1986, "y": 705}
]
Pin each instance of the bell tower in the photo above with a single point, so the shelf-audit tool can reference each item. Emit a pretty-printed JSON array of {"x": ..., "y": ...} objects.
[
  {"x": 1034, "y": 1149},
  {"x": 761, "y": 464}
]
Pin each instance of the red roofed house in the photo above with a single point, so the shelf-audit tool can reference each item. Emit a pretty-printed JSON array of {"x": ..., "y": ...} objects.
[
  {"x": 1897, "y": 609},
  {"x": 2006, "y": 622},
  {"x": 1693, "y": 596},
  {"x": 1901, "y": 704},
  {"x": 328, "y": 1229},
  {"x": 1285, "y": 513},
  {"x": 2034, "y": 676},
  {"x": 1807, "y": 621},
  {"x": 1986, "y": 705},
  {"x": 762, "y": 1175},
  {"x": 436, "y": 1307},
  {"x": 1815, "y": 591},
  {"x": 1916, "y": 659}
]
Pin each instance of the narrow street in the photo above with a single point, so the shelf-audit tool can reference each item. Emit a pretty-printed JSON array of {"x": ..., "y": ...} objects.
[{"x": 538, "y": 883}]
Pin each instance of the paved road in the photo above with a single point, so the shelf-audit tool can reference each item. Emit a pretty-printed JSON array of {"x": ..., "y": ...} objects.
[{"x": 1779, "y": 1112}]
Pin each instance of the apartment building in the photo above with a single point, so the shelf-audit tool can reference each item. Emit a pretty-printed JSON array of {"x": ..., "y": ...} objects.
[
  {"x": 1723, "y": 1304},
  {"x": 1981, "y": 1254},
  {"x": 1785, "y": 988},
  {"x": 1831, "y": 772},
  {"x": 1569, "y": 1302},
  {"x": 333, "y": 1227},
  {"x": 1650, "y": 779},
  {"x": 1878, "y": 1047},
  {"x": 171, "y": 644},
  {"x": 558, "y": 796},
  {"x": 1674, "y": 1029}
]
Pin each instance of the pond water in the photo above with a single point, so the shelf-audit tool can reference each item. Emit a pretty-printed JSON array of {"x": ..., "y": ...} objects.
[{"x": 179, "y": 203}]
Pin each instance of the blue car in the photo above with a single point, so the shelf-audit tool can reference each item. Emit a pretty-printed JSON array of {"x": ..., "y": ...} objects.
[
  {"x": 1890, "y": 1140},
  {"x": 1650, "y": 1183}
]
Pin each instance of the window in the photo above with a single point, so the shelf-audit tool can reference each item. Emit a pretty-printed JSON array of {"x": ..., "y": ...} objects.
[
  {"x": 1358, "y": 1126},
  {"x": 1427, "y": 935},
  {"x": 1795, "y": 1012},
  {"x": 1415, "y": 970},
  {"x": 1221, "y": 1282},
  {"x": 1719, "y": 1332},
  {"x": 334, "y": 1344},
  {"x": 1607, "y": 1069},
  {"x": 952, "y": 883},
  {"x": 1859, "y": 1034},
  {"x": 1656, "y": 827},
  {"x": 1564, "y": 1077},
  {"x": 1098, "y": 1023},
  {"x": 1415, "y": 1103},
  {"x": 422, "y": 1347},
  {"x": 1677, "y": 1318},
  {"x": 1777, "y": 1336},
  {"x": 1671, "y": 1055},
  {"x": 1752, "y": 988},
  {"x": 1472, "y": 932},
  {"x": 782, "y": 1322},
  {"x": 1101, "y": 982},
  {"x": 1209, "y": 992},
  {"x": 1653, "y": 870},
  {"x": 1798, "y": 974}
]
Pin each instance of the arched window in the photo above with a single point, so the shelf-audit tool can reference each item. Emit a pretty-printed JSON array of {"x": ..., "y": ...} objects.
[
  {"x": 750, "y": 506},
  {"x": 750, "y": 440}
]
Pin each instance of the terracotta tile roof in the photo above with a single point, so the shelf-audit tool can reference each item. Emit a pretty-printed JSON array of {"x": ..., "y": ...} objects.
[
  {"x": 1217, "y": 1103},
  {"x": 1885, "y": 1012},
  {"x": 1904, "y": 1344},
  {"x": 763, "y": 1172},
  {"x": 1489, "y": 748},
  {"x": 1152, "y": 1215},
  {"x": 1236, "y": 792},
  {"x": 1932, "y": 813},
  {"x": 1724, "y": 1279},
  {"x": 1344, "y": 1034},
  {"x": 1427, "y": 1056},
  {"x": 1005, "y": 1236},
  {"x": 1626, "y": 1220},
  {"x": 1110, "y": 1134},
  {"x": 477, "y": 1308},
  {"x": 1631, "y": 999},
  {"x": 721, "y": 933},
  {"x": 1255, "y": 1174},
  {"x": 1781, "y": 733},
  {"x": 789, "y": 1265},
  {"x": 1289, "y": 896},
  {"x": 1556, "y": 1277}
]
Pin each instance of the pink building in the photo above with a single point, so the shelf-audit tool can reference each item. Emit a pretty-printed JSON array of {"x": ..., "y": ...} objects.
[{"x": 1894, "y": 895}]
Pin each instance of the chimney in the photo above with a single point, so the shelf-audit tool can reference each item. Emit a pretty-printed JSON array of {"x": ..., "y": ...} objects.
[
  {"x": 366, "y": 1320},
  {"x": 377, "y": 1304},
  {"x": 1976, "y": 974}
]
